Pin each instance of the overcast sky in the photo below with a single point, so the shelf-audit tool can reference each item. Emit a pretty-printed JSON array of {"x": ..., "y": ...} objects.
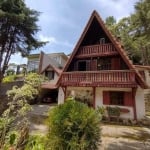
[{"x": 62, "y": 21}]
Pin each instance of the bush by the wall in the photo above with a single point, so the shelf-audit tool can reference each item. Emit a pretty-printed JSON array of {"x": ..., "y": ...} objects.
[
  {"x": 36, "y": 142},
  {"x": 73, "y": 126}
]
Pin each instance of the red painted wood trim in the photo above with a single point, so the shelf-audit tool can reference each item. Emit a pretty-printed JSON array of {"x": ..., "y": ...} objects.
[
  {"x": 124, "y": 110},
  {"x": 106, "y": 98},
  {"x": 64, "y": 90},
  {"x": 128, "y": 99},
  {"x": 94, "y": 97},
  {"x": 134, "y": 103},
  {"x": 115, "y": 63}
]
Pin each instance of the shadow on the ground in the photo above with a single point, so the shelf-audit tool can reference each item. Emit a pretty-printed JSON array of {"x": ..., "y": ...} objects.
[
  {"x": 140, "y": 134},
  {"x": 128, "y": 145},
  {"x": 126, "y": 138}
]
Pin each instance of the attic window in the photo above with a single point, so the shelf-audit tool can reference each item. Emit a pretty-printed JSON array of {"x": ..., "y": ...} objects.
[
  {"x": 102, "y": 41},
  {"x": 49, "y": 75}
]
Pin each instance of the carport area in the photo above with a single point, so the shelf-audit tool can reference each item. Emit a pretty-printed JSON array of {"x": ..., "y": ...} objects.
[{"x": 49, "y": 94}]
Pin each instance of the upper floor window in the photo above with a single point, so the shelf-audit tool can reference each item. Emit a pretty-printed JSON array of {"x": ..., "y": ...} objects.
[
  {"x": 57, "y": 59},
  {"x": 102, "y": 41},
  {"x": 33, "y": 65},
  {"x": 104, "y": 64},
  {"x": 49, "y": 75}
]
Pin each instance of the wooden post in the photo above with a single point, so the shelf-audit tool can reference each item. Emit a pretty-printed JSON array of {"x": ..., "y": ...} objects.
[
  {"x": 94, "y": 101},
  {"x": 64, "y": 90},
  {"x": 134, "y": 103}
]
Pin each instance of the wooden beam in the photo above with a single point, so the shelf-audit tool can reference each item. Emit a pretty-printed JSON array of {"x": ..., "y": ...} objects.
[
  {"x": 134, "y": 102},
  {"x": 94, "y": 97},
  {"x": 64, "y": 90}
]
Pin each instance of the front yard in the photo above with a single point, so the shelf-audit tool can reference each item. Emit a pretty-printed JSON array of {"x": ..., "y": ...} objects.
[{"x": 114, "y": 137}]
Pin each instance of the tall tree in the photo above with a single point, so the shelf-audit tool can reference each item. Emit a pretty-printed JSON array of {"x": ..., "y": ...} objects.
[
  {"x": 141, "y": 29},
  {"x": 17, "y": 31},
  {"x": 134, "y": 32},
  {"x": 111, "y": 24}
]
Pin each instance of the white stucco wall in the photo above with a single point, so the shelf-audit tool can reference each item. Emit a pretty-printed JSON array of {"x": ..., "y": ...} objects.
[
  {"x": 61, "y": 96},
  {"x": 139, "y": 99},
  {"x": 140, "y": 103},
  {"x": 55, "y": 77},
  {"x": 147, "y": 76},
  {"x": 99, "y": 100}
]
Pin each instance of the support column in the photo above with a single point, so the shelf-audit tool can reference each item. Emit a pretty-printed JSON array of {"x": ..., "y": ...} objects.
[
  {"x": 94, "y": 97},
  {"x": 134, "y": 102},
  {"x": 64, "y": 90}
]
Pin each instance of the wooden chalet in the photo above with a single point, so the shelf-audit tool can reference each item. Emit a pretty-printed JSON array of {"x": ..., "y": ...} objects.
[{"x": 100, "y": 73}]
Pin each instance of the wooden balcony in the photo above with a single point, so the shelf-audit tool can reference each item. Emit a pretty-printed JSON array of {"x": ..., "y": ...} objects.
[
  {"x": 110, "y": 78},
  {"x": 96, "y": 50}
]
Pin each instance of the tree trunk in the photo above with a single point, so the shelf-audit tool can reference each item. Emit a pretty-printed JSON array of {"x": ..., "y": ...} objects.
[{"x": 1, "y": 77}]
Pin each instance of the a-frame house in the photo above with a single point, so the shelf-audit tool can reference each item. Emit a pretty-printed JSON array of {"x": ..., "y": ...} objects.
[{"x": 100, "y": 73}]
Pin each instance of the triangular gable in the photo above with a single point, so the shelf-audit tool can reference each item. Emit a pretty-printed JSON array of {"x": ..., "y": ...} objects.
[
  {"x": 46, "y": 62},
  {"x": 116, "y": 44}
]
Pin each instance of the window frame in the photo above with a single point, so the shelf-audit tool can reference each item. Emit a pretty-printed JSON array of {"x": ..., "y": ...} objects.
[{"x": 119, "y": 100}]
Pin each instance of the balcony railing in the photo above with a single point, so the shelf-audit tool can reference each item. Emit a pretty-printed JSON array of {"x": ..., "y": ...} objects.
[
  {"x": 99, "y": 78},
  {"x": 97, "y": 50}
]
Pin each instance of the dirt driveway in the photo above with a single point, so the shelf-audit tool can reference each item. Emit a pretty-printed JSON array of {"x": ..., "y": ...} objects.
[{"x": 116, "y": 137}]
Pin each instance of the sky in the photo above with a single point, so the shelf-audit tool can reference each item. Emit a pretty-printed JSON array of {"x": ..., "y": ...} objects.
[{"x": 61, "y": 22}]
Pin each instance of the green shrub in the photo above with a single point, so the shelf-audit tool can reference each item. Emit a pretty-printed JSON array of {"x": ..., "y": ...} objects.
[
  {"x": 36, "y": 142},
  {"x": 113, "y": 111},
  {"x": 8, "y": 79},
  {"x": 34, "y": 80},
  {"x": 73, "y": 126}
]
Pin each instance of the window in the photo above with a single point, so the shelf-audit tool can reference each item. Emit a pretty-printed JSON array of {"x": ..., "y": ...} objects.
[
  {"x": 83, "y": 65},
  {"x": 104, "y": 64},
  {"x": 49, "y": 74},
  {"x": 33, "y": 65},
  {"x": 102, "y": 41},
  {"x": 116, "y": 98}
]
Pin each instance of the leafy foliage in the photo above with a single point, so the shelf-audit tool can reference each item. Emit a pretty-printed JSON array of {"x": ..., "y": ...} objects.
[
  {"x": 14, "y": 128},
  {"x": 9, "y": 78},
  {"x": 17, "y": 31},
  {"x": 134, "y": 32},
  {"x": 34, "y": 80},
  {"x": 14, "y": 124},
  {"x": 73, "y": 125},
  {"x": 36, "y": 142},
  {"x": 30, "y": 90},
  {"x": 113, "y": 111}
]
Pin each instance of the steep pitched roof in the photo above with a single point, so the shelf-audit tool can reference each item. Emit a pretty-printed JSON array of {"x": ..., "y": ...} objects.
[
  {"x": 46, "y": 62},
  {"x": 116, "y": 43}
]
